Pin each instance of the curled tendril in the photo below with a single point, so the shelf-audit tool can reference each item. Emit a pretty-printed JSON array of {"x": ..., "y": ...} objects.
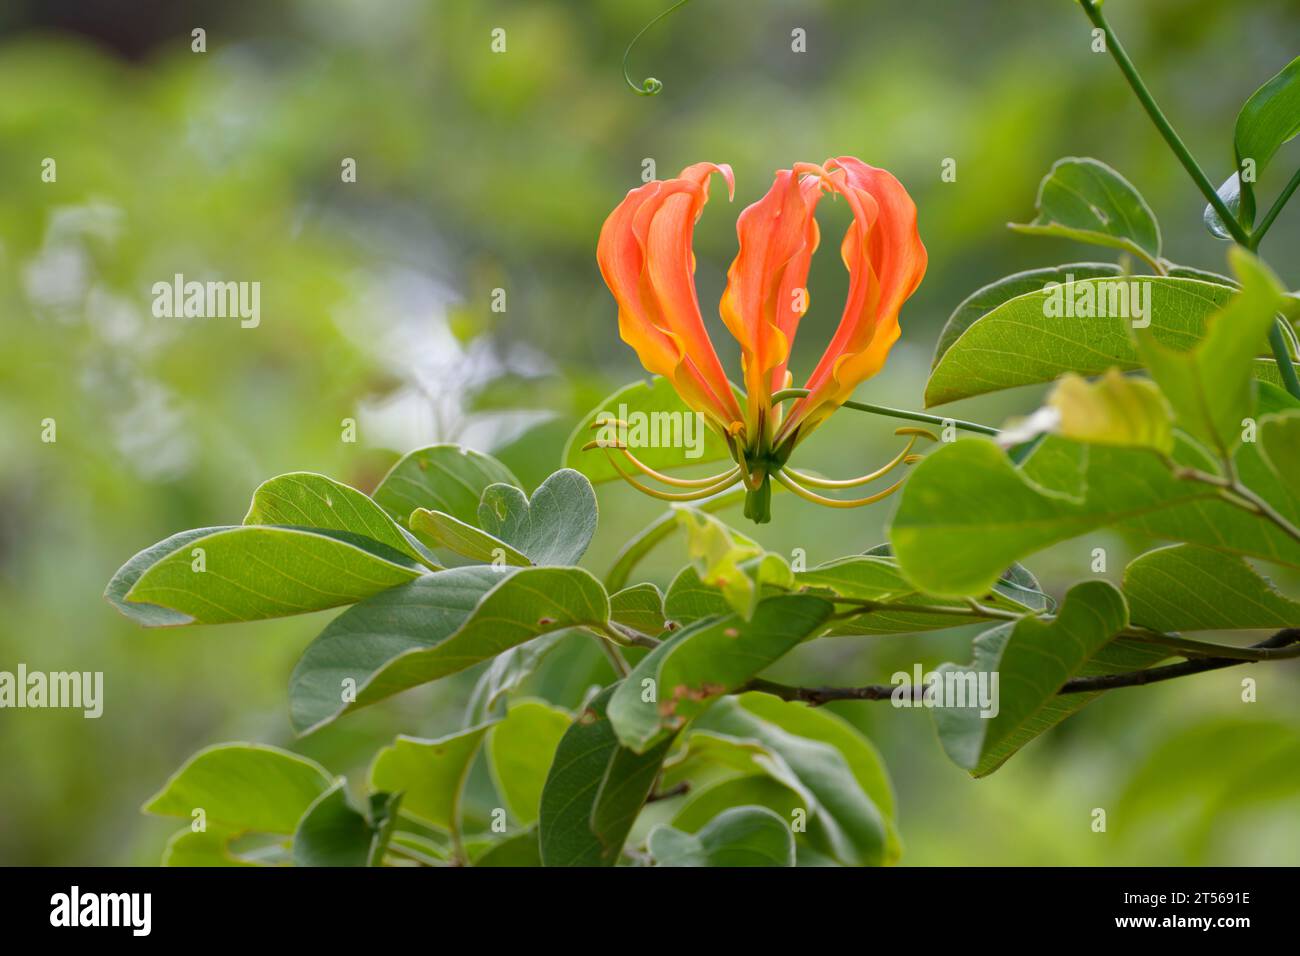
[{"x": 650, "y": 85}]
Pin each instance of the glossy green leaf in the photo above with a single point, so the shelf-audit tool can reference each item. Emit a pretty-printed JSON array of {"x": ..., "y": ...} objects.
[
  {"x": 334, "y": 833},
  {"x": 430, "y": 774},
  {"x": 1084, "y": 199},
  {"x": 688, "y": 599},
  {"x": 877, "y": 578},
  {"x": 594, "y": 791},
  {"x": 967, "y": 513},
  {"x": 432, "y": 627},
  {"x": 1211, "y": 386},
  {"x": 443, "y": 531},
  {"x": 661, "y": 442},
  {"x": 209, "y": 847},
  {"x": 520, "y": 750},
  {"x": 506, "y": 673},
  {"x": 1279, "y": 448},
  {"x": 553, "y": 527},
  {"x": 305, "y": 500},
  {"x": 1188, "y": 588},
  {"x": 676, "y": 680},
  {"x": 741, "y": 836},
  {"x": 842, "y": 785},
  {"x": 253, "y": 572},
  {"x": 1268, "y": 119},
  {"x": 640, "y": 607},
  {"x": 983, "y": 301},
  {"x": 515, "y": 850},
  {"x": 142, "y": 613},
  {"x": 243, "y": 787},
  {"x": 446, "y": 478},
  {"x": 1023, "y": 666},
  {"x": 705, "y": 802},
  {"x": 1032, "y": 339}
]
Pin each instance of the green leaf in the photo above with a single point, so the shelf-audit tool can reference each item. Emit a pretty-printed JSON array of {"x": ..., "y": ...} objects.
[
  {"x": 656, "y": 409},
  {"x": 1084, "y": 199},
  {"x": 243, "y": 787},
  {"x": 520, "y": 750},
  {"x": 253, "y": 572},
  {"x": 689, "y": 599},
  {"x": 506, "y": 673},
  {"x": 705, "y": 802},
  {"x": 640, "y": 607},
  {"x": 1188, "y": 588},
  {"x": 727, "y": 560},
  {"x": 333, "y": 833},
  {"x": 1032, "y": 339},
  {"x": 741, "y": 836},
  {"x": 594, "y": 791},
  {"x": 1279, "y": 447},
  {"x": 430, "y": 774},
  {"x": 877, "y": 577},
  {"x": 865, "y": 762},
  {"x": 1115, "y": 410},
  {"x": 967, "y": 513},
  {"x": 553, "y": 527},
  {"x": 1024, "y": 664},
  {"x": 446, "y": 478},
  {"x": 676, "y": 680},
  {"x": 850, "y": 802},
  {"x": 515, "y": 850},
  {"x": 444, "y": 531},
  {"x": 152, "y": 615},
  {"x": 432, "y": 627},
  {"x": 1269, "y": 118},
  {"x": 210, "y": 847},
  {"x": 983, "y": 301},
  {"x": 305, "y": 500},
  {"x": 1211, "y": 386}
]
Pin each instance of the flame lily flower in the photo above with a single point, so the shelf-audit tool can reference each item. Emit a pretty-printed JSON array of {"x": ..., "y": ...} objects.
[{"x": 646, "y": 259}]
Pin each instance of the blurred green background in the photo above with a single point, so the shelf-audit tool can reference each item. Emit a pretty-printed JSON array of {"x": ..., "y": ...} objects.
[{"x": 478, "y": 171}]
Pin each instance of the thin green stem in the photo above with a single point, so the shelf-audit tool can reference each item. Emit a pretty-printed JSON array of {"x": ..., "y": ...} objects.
[
  {"x": 786, "y": 394},
  {"x": 1285, "y": 366},
  {"x": 616, "y": 660},
  {"x": 1239, "y": 495},
  {"x": 1093, "y": 9},
  {"x": 975, "y": 612},
  {"x": 1257, "y": 235},
  {"x": 649, "y": 86},
  {"x": 1188, "y": 647}
]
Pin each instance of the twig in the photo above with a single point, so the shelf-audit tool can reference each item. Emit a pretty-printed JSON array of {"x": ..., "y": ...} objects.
[{"x": 816, "y": 696}]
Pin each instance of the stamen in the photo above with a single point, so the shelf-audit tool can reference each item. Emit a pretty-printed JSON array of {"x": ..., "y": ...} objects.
[
  {"x": 728, "y": 480},
  {"x": 659, "y": 476},
  {"x": 902, "y": 458},
  {"x": 784, "y": 478}
]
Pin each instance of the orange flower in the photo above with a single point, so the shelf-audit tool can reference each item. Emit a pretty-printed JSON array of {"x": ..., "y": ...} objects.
[{"x": 646, "y": 259}]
